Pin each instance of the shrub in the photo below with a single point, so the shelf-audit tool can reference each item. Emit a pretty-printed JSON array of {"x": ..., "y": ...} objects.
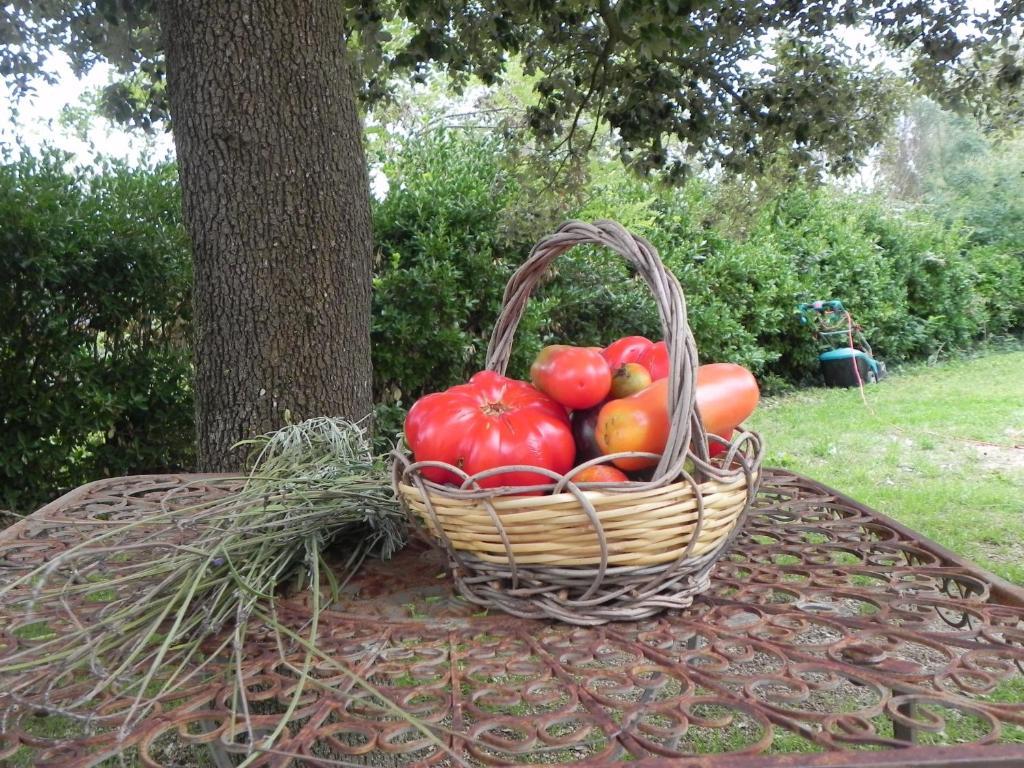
[
  {"x": 445, "y": 247},
  {"x": 94, "y": 326},
  {"x": 94, "y": 341},
  {"x": 999, "y": 286},
  {"x": 456, "y": 223}
]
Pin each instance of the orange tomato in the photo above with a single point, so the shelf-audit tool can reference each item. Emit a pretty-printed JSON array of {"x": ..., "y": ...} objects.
[
  {"x": 600, "y": 473},
  {"x": 726, "y": 395},
  {"x": 635, "y": 423}
]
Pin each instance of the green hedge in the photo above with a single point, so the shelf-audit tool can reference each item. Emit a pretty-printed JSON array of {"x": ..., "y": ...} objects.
[
  {"x": 455, "y": 224},
  {"x": 94, "y": 341},
  {"x": 94, "y": 327}
]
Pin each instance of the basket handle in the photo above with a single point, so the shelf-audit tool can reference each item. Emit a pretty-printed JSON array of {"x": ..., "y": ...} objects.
[{"x": 668, "y": 296}]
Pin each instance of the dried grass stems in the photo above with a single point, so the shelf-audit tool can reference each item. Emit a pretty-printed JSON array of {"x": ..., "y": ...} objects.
[{"x": 209, "y": 568}]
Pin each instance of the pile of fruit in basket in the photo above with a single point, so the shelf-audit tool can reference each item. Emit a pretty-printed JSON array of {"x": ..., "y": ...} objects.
[{"x": 583, "y": 403}]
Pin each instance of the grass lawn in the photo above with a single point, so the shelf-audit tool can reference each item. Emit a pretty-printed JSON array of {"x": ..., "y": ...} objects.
[{"x": 939, "y": 448}]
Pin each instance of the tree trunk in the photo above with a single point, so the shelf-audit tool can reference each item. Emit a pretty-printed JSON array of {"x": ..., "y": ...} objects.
[{"x": 276, "y": 202}]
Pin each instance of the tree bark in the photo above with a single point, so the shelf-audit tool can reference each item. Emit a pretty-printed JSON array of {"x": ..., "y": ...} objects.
[{"x": 276, "y": 201}]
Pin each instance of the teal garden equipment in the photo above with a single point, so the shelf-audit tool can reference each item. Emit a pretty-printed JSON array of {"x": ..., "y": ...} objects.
[{"x": 848, "y": 361}]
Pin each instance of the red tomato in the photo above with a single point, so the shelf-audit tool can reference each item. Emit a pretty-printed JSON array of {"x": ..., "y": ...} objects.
[
  {"x": 576, "y": 377},
  {"x": 490, "y": 422},
  {"x": 655, "y": 360},
  {"x": 628, "y": 349},
  {"x": 600, "y": 473},
  {"x": 715, "y": 448}
]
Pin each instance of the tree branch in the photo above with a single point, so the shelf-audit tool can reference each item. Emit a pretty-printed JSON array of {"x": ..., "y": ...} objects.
[
  {"x": 726, "y": 86},
  {"x": 611, "y": 21}
]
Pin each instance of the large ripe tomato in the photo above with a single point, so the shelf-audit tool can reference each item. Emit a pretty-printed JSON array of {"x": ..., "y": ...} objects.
[
  {"x": 655, "y": 360},
  {"x": 577, "y": 377},
  {"x": 490, "y": 422},
  {"x": 628, "y": 349}
]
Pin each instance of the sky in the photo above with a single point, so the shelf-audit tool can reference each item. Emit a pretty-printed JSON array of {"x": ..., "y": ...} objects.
[{"x": 34, "y": 120}]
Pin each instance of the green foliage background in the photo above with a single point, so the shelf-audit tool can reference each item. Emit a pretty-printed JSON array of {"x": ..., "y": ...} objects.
[
  {"x": 455, "y": 223},
  {"x": 94, "y": 325}
]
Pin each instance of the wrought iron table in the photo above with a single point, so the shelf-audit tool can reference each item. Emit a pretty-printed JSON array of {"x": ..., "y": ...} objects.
[{"x": 832, "y": 636}]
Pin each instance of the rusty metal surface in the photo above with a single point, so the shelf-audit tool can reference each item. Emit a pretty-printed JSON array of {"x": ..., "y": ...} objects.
[{"x": 832, "y": 636}]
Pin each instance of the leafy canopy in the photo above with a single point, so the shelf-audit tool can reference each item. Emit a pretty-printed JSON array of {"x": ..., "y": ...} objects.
[{"x": 728, "y": 84}]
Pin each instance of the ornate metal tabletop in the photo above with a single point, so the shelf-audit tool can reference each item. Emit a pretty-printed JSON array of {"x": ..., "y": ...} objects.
[{"x": 832, "y": 636}]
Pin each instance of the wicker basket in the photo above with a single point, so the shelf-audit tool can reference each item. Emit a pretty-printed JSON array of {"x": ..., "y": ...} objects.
[{"x": 587, "y": 553}]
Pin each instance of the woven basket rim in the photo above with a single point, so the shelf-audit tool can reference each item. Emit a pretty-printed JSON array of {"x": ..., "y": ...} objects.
[
  {"x": 511, "y": 497},
  {"x": 744, "y": 451}
]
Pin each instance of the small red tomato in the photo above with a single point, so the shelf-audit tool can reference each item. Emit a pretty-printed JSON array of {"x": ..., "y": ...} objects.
[
  {"x": 628, "y": 349},
  {"x": 576, "y": 377},
  {"x": 715, "y": 448},
  {"x": 655, "y": 360},
  {"x": 600, "y": 473}
]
